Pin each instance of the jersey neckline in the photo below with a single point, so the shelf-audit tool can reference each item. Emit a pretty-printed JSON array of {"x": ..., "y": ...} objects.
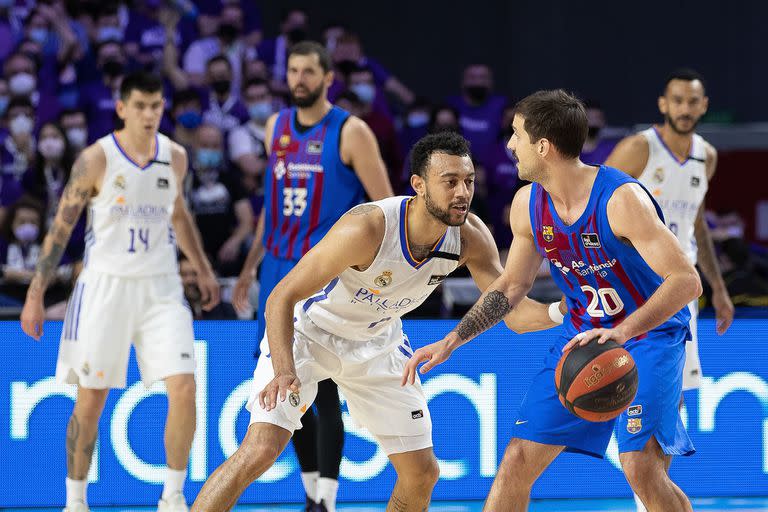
[
  {"x": 671, "y": 154},
  {"x": 404, "y": 236},
  {"x": 131, "y": 160},
  {"x": 587, "y": 209}
]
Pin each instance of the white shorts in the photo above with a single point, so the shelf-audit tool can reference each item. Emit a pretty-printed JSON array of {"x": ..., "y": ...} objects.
[
  {"x": 106, "y": 314},
  {"x": 692, "y": 371},
  {"x": 396, "y": 415}
]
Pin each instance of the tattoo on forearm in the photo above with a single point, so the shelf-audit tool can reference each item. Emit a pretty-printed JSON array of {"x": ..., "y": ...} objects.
[
  {"x": 49, "y": 262},
  {"x": 493, "y": 309},
  {"x": 397, "y": 504},
  {"x": 361, "y": 209},
  {"x": 70, "y": 213},
  {"x": 73, "y": 432}
]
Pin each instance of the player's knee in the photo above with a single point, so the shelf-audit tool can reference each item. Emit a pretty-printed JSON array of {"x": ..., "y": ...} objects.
[
  {"x": 422, "y": 472},
  {"x": 641, "y": 473},
  {"x": 514, "y": 464},
  {"x": 257, "y": 455},
  {"x": 182, "y": 389},
  {"x": 90, "y": 403}
]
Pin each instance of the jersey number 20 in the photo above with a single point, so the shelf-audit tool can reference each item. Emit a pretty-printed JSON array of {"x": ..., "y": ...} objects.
[{"x": 607, "y": 298}]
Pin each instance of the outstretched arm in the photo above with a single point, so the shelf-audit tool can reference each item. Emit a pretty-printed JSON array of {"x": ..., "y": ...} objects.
[
  {"x": 481, "y": 256},
  {"x": 633, "y": 217},
  {"x": 86, "y": 171},
  {"x": 352, "y": 242},
  {"x": 499, "y": 299}
]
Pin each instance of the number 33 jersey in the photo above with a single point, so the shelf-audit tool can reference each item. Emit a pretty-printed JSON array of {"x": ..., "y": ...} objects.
[
  {"x": 307, "y": 186},
  {"x": 604, "y": 279},
  {"x": 129, "y": 231}
]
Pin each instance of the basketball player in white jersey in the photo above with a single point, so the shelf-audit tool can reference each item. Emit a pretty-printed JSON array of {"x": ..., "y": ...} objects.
[
  {"x": 129, "y": 291},
  {"x": 337, "y": 315},
  {"x": 675, "y": 164}
]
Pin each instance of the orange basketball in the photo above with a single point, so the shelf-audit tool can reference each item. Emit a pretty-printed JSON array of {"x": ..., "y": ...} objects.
[{"x": 596, "y": 382}]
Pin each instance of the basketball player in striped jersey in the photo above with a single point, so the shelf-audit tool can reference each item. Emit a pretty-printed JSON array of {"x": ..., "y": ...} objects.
[
  {"x": 337, "y": 315},
  {"x": 624, "y": 279},
  {"x": 676, "y": 165},
  {"x": 129, "y": 291},
  {"x": 322, "y": 162}
]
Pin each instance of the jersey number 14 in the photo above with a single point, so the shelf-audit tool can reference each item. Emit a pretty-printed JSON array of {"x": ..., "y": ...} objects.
[{"x": 139, "y": 237}]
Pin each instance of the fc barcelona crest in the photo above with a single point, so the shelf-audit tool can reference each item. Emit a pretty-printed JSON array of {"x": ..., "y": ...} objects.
[
  {"x": 634, "y": 425},
  {"x": 285, "y": 140},
  {"x": 548, "y": 232},
  {"x": 385, "y": 279}
]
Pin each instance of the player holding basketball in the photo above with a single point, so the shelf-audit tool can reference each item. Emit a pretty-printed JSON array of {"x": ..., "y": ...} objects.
[
  {"x": 322, "y": 162},
  {"x": 676, "y": 165},
  {"x": 337, "y": 315},
  {"x": 624, "y": 279},
  {"x": 129, "y": 290}
]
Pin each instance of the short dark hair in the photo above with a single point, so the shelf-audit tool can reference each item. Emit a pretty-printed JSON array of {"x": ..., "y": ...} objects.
[
  {"x": 142, "y": 81},
  {"x": 19, "y": 102},
  {"x": 312, "y": 47},
  {"x": 686, "y": 74},
  {"x": 557, "y": 116},
  {"x": 218, "y": 58},
  {"x": 448, "y": 143},
  {"x": 185, "y": 96},
  {"x": 256, "y": 82},
  {"x": 25, "y": 201}
]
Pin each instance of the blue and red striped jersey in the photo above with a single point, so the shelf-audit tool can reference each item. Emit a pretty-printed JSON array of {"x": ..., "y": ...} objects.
[
  {"x": 603, "y": 278},
  {"x": 307, "y": 186}
]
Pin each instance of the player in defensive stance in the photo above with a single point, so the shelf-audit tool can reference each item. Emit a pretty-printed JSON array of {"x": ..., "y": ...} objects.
[
  {"x": 129, "y": 291},
  {"x": 337, "y": 315}
]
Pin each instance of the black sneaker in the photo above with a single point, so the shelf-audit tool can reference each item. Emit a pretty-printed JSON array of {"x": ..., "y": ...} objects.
[
  {"x": 310, "y": 506},
  {"x": 321, "y": 507}
]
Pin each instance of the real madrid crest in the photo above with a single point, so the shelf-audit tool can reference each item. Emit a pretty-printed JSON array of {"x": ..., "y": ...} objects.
[
  {"x": 385, "y": 279},
  {"x": 548, "y": 232},
  {"x": 294, "y": 399},
  {"x": 120, "y": 181},
  {"x": 658, "y": 175}
]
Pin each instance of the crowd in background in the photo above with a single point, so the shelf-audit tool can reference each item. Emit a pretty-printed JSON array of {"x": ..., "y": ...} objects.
[{"x": 62, "y": 64}]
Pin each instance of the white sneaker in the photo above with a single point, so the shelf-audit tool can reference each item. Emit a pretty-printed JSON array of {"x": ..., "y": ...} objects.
[
  {"x": 174, "y": 503},
  {"x": 78, "y": 507}
]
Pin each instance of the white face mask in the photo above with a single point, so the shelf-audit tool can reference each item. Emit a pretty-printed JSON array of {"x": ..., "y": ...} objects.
[
  {"x": 22, "y": 84},
  {"x": 51, "y": 147},
  {"x": 21, "y": 125},
  {"x": 77, "y": 137}
]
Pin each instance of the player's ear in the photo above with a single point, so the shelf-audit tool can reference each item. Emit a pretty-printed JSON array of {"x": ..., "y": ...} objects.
[
  {"x": 120, "y": 108},
  {"x": 662, "y": 104},
  {"x": 543, "y": 147},
  {"x": 328, "y": 78},
  {"x": 417, "y": 182},
  {"x": 705, "y": 105}
]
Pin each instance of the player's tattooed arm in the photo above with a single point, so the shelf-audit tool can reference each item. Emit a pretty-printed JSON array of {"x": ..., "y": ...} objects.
[
  {"x": 483, "y": 315},
  {"x": 76, "y": 194}
]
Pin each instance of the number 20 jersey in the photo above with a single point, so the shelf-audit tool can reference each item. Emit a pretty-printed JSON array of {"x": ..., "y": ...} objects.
[
  {"x": 307, "y": 186},
  {"x": 129, "y": 231},
  {"x": 604, "y": 279}
]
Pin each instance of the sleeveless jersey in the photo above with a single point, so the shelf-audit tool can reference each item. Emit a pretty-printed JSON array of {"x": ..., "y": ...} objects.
[
  {"x": 603, "y": 279},
  {"x": 678, "y": 187},
  {"x": 367, "y": 305},
  {"x": 307, "y": 186},
  {"x": 129, "y": 231}
]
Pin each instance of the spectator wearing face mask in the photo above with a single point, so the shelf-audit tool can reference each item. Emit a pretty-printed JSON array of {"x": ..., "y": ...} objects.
[
  {"x": 222, "y": 108},
  {"x": 415, "y": 123},
  {"x": 597, "y": 147},
  {"x": 48, "y": 25},
  {"x": 21, "y": 235},
  {"x": 246, "y": 142},
  {"x": 218, "y": 202},
  {"x": 75, "y": 127},
  {"x": 228, "y": 42},
  {"x": 222, "y": 311},
  {"x": 97, "y": 99},
  {"x": 209, "y": 12},
  {"x": 17, "y": 150},
  {"x": 20, "y": 71},
  {"x": 479, "y": 109},
  {"x": 187, "y": 115}
]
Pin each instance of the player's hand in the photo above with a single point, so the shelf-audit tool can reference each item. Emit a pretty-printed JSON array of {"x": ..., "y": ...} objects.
[
  {"x": 209, "y": 290},
  {"x": 280, "y": 387},
  {"x": 602, "y": 335},
  {"x": 723, "y": 310},
  {"x": 433, "y": 354},
  {"x": 32, "y": 316},
  {"x": 240, "y": 292}
]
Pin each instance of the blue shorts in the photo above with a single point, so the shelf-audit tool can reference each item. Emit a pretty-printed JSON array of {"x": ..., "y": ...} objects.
[
  {"x": 271, "y": 272},
  {"x": 660, "y": 358}
]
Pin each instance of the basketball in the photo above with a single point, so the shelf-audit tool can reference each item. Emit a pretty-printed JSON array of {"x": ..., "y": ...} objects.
[{"x": 596, "y": 382}]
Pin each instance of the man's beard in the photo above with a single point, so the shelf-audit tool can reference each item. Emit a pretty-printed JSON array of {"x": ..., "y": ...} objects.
[
  {"x": 308, "y": 100},
  {"x": 679, "y": 131},
  {"x": 443, "y": 216}
]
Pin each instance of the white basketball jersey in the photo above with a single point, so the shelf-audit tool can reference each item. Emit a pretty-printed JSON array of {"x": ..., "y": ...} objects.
[
  {"x": 129, "y": 221},
  {"x": 678, "y": 187},
  {"x": 367, "y": 305}
]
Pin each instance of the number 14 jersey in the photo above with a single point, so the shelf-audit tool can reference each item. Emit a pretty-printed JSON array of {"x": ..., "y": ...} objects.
[
  {"x": 129, "y": 231},
  {"x": 604, "y": 279}
]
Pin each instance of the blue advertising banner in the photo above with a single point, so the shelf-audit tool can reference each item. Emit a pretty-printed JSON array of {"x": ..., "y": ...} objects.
[{"x": 473, "y": 399}]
